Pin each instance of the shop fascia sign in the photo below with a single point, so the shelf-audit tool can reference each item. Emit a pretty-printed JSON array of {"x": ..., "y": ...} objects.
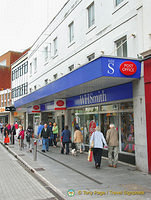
[
  {"x": 121, "y": 67},
  {"x": 2, "y": 109},
  {"x": 59, "y": 104},
  {"x": 115, "y": 93},
  {"x": 36, "y": 109}
]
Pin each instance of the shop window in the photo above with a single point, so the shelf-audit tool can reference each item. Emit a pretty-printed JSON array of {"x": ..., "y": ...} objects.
[
  {"x": 121, "y": 47},
  {"x": 91, "y": 15},
  {"x": 127, "y": 132}
]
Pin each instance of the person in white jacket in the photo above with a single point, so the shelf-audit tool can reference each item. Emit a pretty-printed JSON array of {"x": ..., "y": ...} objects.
[{"x": 96, "y": 142}]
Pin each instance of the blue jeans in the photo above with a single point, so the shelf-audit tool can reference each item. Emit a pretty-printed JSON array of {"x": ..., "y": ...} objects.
[{"x": 45, "y": 144}]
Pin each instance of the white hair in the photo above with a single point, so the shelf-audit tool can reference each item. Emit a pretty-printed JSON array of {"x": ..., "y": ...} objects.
[
  {"x": 97, "y": 128},
  {"x": 112, "y": 126}
]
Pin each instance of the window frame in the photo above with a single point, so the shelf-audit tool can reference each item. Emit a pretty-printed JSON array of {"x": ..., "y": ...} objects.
[
  {"x": 71, "y": 32},
  {"x": 91, "y": 15},
  {"x": 122, "y": 41},
  {"x": 55, "y": 44}
]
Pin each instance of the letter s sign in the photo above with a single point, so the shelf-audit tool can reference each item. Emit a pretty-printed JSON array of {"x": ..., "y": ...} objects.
[{"x": 111, "y": 68}]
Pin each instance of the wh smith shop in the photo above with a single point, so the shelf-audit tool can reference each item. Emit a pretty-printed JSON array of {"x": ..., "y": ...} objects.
[{"x": 106, "y": 90}]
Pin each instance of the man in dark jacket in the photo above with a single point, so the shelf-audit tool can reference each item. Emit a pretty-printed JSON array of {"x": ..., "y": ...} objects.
[
  {"x": 45, "y": 134},
  {"x": 65, "y": 139}
]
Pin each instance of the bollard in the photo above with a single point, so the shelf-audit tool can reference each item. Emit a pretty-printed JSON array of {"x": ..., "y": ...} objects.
[{"x": 35, "y": 151}]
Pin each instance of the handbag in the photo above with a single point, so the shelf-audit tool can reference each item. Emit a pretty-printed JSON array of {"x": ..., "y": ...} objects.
[
  {"x": 6, "y": 140},
  {"x": 19, "y": 137},
  {"x": 90, "y": 155}
]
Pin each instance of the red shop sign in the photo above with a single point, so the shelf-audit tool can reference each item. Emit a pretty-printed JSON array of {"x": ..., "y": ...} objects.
[
  {"x": 128, "y": 68},
  {"x": 36, "y": 107},
  {"x": 60, "y": 103}
]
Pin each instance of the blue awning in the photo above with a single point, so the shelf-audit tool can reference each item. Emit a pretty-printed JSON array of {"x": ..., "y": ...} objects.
[{"x": 101, "y": 73}]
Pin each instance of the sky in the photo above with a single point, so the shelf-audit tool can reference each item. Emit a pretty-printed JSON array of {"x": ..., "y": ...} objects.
[{"x": 22, "y": 21}]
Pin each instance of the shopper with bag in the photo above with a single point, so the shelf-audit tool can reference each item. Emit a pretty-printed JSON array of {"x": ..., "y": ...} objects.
[
  {"x": 55, "y": 133},
  {"x": 78, "y": 139},
  {"x": 65, "y": 140},
  {"x": 96, "y": 143},
  {"x": 21, "y": 138}
]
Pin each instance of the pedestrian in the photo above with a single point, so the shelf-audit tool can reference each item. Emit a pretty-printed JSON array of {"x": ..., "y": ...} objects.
[
  {"x": 113, "y": 145},
  {"x": 78, "y": 139},
  {"x": 50, "y": 126},
  {"x": 6, "y": 135},
  {"x": 55, "y": 133},
  {"x": 13, "y": 133},
  {"x": 45, "y": 135},
  {"x": 16, "y": 125},
  {"x": 1, "y": 126},
  {"x": 29, "y": 137},
  {"x": 21, "y": 137},
  {"x": 97, "y": 141},
  {"x": 6, "y": 130},
  {"x": 40, "y": 127},
  {"x": 65, "y": 140}
]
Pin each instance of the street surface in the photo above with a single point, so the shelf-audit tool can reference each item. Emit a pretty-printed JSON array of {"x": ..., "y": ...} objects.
[
  {"x": 75, "y": 173},
  {"x": 16, "y": 183}
]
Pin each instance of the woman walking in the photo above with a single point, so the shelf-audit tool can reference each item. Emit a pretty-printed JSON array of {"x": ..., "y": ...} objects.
[
  {"x": 55, "y": 133},
  {"x": 96, "y": 142},
  {"x": 65, "y": 140}
]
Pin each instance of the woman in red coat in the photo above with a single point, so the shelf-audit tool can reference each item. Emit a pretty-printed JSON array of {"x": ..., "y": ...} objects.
[{"x": 21, "y": 134}]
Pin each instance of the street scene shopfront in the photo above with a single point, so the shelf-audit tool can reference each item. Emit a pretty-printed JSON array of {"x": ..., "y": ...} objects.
[
  {"x": 111, "y": 105},
  {"x": 105, "y": 92}
]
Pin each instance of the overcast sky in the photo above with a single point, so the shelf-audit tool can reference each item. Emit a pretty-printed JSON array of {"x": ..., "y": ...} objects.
[{"x": 22, "y": 21}]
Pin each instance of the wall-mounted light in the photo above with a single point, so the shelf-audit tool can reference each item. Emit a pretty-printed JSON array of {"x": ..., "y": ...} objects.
[{"x": 133, "y": 35}]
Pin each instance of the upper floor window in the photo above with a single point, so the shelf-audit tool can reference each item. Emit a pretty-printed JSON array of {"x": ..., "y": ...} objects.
[
  {"x": 30, "y": 68},
  {"x": 46, "y": 54},
  {"x": 55, "y": 46},
  {"x": 26, "y": 67},
  {"x": 91, "y": 15},
  {"x": 71, "y": 32},
  {"x": 121, "y": 47},
  {"x": 46, "y": 81},
  {"x": 35, "y": 87},
  {"x": 117, "y": 2},
  {"x": 91, "y": 57},
  {"x": 35, "y": 65}
]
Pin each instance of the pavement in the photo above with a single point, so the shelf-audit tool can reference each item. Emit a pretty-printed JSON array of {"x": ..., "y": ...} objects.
[{"x": 67, "y": 173}]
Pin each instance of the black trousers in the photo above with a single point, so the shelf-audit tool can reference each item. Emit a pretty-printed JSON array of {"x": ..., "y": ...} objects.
[
  {"x": 55, "y": 139},
  {"x": 67, "y": 148},
  {"x": 97, "y": 154}
]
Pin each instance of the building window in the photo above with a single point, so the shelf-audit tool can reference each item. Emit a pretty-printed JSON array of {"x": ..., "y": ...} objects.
[
  {"x": 91, "y": 15},
  {"x": 46, "y": 81},
  {"x": 30, "y": 90},
  {"x": 46, "y": 54},
  {"x": 26, "y": 67},
  {"x": 71, "y": 32},
  {"x": 71, "y": 68},
  {"x": 91, "y": 57},
  {"x": 117, "y": 2},
  {"x": 55, "y": 76},
  {"x": 30, "y": 68},
  {"x": 35, "y": 65},
  {"x": 13, "y": 75},
  {"x": 35, "y": 87},
  {"x": 50, "y": 50},
  {"x": 55, "y": 46},
  {"x": 26, "y": 88},
  {"x": 121, "y": 47}
]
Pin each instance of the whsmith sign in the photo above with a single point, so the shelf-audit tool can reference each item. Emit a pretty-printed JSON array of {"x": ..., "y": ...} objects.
[{"x": 101, "y": 96}]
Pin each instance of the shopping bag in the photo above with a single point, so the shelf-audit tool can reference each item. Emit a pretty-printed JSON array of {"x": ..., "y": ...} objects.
[
  {"x": 6, "y": 140},
  {"x": 39, "y": 142},
  {"x": 90, "y": 154}
]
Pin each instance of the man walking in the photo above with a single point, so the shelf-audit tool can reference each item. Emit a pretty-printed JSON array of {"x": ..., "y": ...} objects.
[
  {"x": 45, "y": 134},
  {"x": 113, "y": 145}
]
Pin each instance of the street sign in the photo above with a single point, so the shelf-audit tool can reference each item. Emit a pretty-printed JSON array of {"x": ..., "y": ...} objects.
[{"x": 11, "y": 108}]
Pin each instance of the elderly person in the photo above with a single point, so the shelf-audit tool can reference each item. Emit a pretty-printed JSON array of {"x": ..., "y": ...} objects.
[
  {"x": 96, "y": 142},
  {"x": 113, "y": 145},
  {"x": 78, "y": 139},
  {"x": 65, "y": 140}
]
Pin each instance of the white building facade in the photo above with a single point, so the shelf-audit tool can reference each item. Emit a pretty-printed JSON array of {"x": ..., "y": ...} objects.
[
  {"x": 19, "y": 85},
  {"x": 65, "y": 62}
]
